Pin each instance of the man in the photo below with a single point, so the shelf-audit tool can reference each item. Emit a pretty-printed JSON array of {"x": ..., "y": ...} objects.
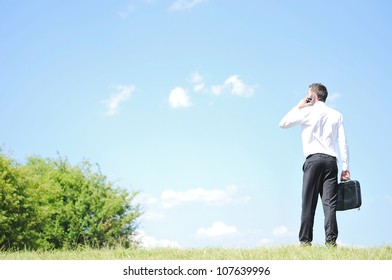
[{"x": 322, "y": 133}]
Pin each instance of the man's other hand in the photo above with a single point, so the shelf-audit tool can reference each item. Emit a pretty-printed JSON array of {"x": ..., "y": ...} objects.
[{"x": 345, "y": 176}]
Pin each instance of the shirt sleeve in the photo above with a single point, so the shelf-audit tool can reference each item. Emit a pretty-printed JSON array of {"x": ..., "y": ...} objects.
[
  {"x": 293, "y": 117},
  {"x": 344, "y": 152}
]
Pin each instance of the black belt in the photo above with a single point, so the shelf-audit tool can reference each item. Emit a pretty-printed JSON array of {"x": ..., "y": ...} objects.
[{"x": 321, "y": 155}]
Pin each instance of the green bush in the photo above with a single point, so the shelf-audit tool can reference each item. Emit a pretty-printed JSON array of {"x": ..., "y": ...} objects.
[
  {"x": 48, "y": 203},
  {"x": 17, "y": 215}
]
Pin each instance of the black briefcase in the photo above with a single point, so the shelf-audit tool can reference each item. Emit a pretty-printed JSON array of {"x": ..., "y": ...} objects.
[{"x": 349, "y": 195}]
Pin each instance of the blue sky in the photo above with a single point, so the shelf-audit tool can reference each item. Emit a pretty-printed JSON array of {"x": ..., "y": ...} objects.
[{"x": 181, "y": 100}]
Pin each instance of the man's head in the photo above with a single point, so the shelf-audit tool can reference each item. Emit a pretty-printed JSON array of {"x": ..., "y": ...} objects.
[{"x": 320, "y": 90}]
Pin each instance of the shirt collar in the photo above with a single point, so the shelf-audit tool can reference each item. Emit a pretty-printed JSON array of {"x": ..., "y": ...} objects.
[{"x": 319, "y": 103}]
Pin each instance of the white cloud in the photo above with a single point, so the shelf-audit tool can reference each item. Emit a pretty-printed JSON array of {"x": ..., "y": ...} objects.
[
  {"x": 184, "y": 4},
  {"x": 125, "y": 12},
  {"x": 333, "y": 97},
  {"x": 266, "y": 241},
  {"x": 233, "y": 85},
  {"x": 217, "y": 229},
  {"x": 277, "y": 234},
  {"x": 237, "y": 87},
  {"x": 152, "y": 216},
  {"x": 217, "y": 89},
  {"x": 198, "y": 82},
  {"x": 281, "y": 231},
  {"x": 123, "y": 92},
  {"x": 145, "y": 199},
  {"x": 151, "y": 242},
  {"x": 131, "y": 8},
  {"x": 148, "y": 205},
  {"x": 179, "y": 98},
  {"x": 198, "y": 87},
  {"x": 196, "y": 78},
  {"x": 172, "y": 198}
]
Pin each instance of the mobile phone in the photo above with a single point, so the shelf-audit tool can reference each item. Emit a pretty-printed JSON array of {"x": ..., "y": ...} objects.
[{"x": 309, "y": 99}]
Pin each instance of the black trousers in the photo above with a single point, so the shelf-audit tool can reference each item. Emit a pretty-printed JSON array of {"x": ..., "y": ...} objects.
[{"x": 320, "y": 178}]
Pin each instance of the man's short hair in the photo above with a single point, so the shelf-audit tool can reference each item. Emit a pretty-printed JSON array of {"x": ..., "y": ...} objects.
[{"x": 320, "y": 90}]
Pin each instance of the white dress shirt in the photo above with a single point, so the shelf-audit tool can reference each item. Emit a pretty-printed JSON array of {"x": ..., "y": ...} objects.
[{"x": 322, "y": 130}]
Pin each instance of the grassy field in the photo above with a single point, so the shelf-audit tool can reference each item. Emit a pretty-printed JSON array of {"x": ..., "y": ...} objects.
[{"x": 290, "y": 252}]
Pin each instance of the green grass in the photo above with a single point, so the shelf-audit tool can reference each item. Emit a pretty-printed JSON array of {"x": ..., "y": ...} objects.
[{"x": 290, "y": 252}]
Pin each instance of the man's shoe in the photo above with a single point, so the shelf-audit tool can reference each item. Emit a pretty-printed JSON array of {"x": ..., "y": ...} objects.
[
  {"x": 331, "y": 244},
  {"x": 305, "y": 244}
]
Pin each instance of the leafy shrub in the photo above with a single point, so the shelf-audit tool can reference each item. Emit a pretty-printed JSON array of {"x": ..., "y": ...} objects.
[
  {"x": 48, "y": 203},
  {"x": 17, "y": 215}
]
